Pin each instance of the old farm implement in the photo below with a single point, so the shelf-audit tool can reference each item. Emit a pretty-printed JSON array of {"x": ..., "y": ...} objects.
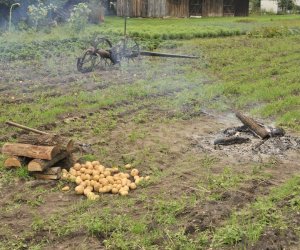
[{"x": 104, "y": 54}]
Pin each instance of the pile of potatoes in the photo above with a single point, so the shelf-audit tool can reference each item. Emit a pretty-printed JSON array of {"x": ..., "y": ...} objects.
[{"x": 92, "y": 178}]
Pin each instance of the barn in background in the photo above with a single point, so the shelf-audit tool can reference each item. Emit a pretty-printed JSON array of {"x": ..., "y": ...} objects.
[{"x": 182, "y": 8}]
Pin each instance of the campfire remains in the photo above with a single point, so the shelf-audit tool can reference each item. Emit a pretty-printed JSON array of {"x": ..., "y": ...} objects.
[
  {"x": 252, "y": 141},
  {"x": 41, "y": 152}
]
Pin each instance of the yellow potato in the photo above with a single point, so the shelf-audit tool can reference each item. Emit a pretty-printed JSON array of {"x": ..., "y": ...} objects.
[
  {"x": 82, "y": 170},
  {"x": 88, "y": 177},
  {"x": 106, "y": 189},
  {"x": 136, "y": 177},
  {"x": 102, "y": 176},
  {"x": 134, "y": 172},
  {"x": 95, "y": 172},
  {"x": 101, "y": 168},
  {"x": 110, "y": 179},
  {"x": 102, "y": 190},
  {"x": 96, "y": 177},
  {"x": 72, "y": 171},
  {"x": 132, "y": 186},
  {"x": 87, "y": 190},
  {"x": 95, "y": 163},
  {"x": 126, "y": 188},
  {"x": 72, "y": 178},
  {"x": 107, "y": 173},
  {"x": 90, "y": 195},
  {"x": 147, "y": 178},
  {"x": 115, "y": 170},
  {"x": 77, "y": 166},
  {"x": 123, "y": 182},
  {"x": 89, "y": 171},
  {"x": 66, "y": 188},
  {"x": 128, "y": 166},
  {"x": 96, "y": 187},
  {"x": 124, "y": 193},
  {"x": 79, "y": 189},
  {"x": 78, "y": 180},
  {"x": 115, "y": 190},
  {"x": 87, "y": 183}
]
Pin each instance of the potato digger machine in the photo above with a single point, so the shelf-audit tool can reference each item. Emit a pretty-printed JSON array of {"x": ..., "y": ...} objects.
[{"x": 104, "y": 54}]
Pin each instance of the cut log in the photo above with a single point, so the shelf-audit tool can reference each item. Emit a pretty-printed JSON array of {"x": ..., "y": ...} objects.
[
  {"x": 39, "y": 165},
  {"x": 42, "y": 138},
  {"x": 30, "y": 151},
  {"x": 53, "y": 173},
  {"x": 47, "y": 176},
  {"x": 231, "y": 140},
  {"x": 253, "y": 125},
  {"x": 15, "y": 162},
  {"x": 47, "y": 140}
]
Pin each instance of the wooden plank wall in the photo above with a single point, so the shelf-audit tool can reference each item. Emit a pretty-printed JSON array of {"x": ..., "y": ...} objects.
[
  {"x": 157, "y": 8},
  {"x": 132, "y": 8},
  {"x": 178, "y": 8},
  {"x": 212, "y": 8}
]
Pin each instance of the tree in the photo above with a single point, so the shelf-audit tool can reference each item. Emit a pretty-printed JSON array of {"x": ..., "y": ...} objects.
[{"x": 286, "y": 5}]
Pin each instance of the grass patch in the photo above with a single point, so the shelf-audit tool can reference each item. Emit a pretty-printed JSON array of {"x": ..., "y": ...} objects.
[
  {"x": 259, "y": 74},
  {"x": 248, "y": 224}
]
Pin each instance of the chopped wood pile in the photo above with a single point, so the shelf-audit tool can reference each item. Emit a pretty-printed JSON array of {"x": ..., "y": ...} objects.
[{"x": 41, "y": 152}]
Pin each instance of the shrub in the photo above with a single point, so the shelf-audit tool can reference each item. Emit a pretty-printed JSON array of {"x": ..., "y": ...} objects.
[
  {"x": 79, "y": 17},
  {"x": 39, "y": 14}
]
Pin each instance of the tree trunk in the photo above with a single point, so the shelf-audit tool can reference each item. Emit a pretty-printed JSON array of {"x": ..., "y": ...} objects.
[
  {"x": 30, "y": 151},
  {"x": 253, "y": 125},
  {"x": 40, "y": 165}
]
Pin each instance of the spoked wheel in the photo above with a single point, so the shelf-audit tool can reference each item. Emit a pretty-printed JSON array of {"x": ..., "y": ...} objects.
[
  {"x": 132, "y": 50},
  {"x": 88, "y": 61},
  {"x": 129, "y": 49},
  {"x": 102, "y": 43}
]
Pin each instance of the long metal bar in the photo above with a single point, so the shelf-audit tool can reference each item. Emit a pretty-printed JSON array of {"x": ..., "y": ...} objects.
[{"x": 150, "y": 53}]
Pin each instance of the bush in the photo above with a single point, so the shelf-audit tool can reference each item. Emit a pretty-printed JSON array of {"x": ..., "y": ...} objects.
[
  {"x": 79, "y": 17},
  {"x": 269, "y": 32},
  {"x": 40, "y": 14}
]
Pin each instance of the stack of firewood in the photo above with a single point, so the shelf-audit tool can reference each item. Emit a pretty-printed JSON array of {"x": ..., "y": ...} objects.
[{"x": 41, "y": 152}]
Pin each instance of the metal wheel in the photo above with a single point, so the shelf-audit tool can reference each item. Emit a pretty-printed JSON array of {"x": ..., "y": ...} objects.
[
  {"x": 102, "y": 43},
  {"x": 87, "y": 62},
  {"x": 131, "y": 49},
  {"x": 127, "y": 48}
]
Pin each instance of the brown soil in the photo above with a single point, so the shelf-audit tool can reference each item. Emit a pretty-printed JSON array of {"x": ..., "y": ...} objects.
[{"x": 176, "y": 149}]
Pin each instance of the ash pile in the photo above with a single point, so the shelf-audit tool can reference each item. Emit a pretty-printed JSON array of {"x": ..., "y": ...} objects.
[{"x": 252, "y": 141}]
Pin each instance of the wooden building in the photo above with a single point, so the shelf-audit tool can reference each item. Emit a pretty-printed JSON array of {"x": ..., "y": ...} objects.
[{"x": 182, "y": 8}]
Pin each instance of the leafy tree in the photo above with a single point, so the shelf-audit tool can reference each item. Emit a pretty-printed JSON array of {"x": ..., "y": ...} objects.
[{"x": 286, "y": 5}]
